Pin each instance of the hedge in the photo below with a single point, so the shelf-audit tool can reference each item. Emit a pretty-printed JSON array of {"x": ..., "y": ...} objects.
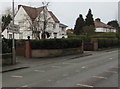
[
  {"x": 103, "y": 43},
  {"x": 6, "y": 45},
  {"x": 55, "y": 43}
]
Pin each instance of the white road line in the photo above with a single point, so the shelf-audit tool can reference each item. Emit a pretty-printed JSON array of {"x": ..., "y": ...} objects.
[
  {"x": 110, "y": 58},
  {"x": 101, "y": 77},
  {"x": 65, "y": 74},
  {"x": 77, "y": 71},
  {"x": 16, "y": 76},
  {"x": 66, "y": 63},
  {"x": 49, "y": 80},
  {"x": 83, "y": 67},
  {"x": 112, "y": 71},
  {"x": 84, "y": 85},
  {"x": 39, "y": 70},
  {"x": 55, "y": 66},
  {"x": 25, "y": 86}
]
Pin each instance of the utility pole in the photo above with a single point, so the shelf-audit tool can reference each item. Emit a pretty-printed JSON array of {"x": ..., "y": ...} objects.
[{"x": 13, "y": 41}]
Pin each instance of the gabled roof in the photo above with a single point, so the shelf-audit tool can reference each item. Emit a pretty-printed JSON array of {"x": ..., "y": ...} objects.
[
  {"x": 34, "y": 12},
  {"x": 54, "y": 17},
  {"x": 99, "y": 24},
  {"x": 63, "y": 25}
]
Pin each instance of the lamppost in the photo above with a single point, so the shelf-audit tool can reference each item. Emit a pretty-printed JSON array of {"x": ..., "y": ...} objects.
[{"x": 13, "y": 40}]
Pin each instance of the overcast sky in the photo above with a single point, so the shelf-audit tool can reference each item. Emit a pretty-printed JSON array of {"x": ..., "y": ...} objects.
[{"x": 67, "y": 11}]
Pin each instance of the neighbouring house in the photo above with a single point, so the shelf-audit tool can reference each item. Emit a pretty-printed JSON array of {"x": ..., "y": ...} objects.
[
  {"x": 102, "y": 27},
  {"x": 70, "y": 31},
  {"x": 32, "y": 21}
]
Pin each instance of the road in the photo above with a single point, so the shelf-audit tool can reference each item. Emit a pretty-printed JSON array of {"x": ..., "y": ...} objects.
[{"x": 97, "y": 70}]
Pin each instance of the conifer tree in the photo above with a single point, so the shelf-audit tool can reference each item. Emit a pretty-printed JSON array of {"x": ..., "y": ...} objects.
[
  {"x": 78, "y": 29},
  {"x": 6, "y": 21},
  {"x": 89, "y": 18}
]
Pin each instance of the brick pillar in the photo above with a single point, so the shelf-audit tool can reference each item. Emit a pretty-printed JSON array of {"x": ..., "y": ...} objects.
[
  {"x": 95, "y": 44},
  {"x": 27, "y": 49}
]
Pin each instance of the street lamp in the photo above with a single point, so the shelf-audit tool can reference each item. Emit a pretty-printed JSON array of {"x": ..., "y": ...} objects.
[{"x": 13, "y": 41}]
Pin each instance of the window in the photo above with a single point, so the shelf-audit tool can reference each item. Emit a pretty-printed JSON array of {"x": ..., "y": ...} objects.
[
  {"x": 21, "y": 24},
  {"x": 10, "y": 36},
  {"x": 21, "y": 36},
  {"x": 54, "y": 25}
]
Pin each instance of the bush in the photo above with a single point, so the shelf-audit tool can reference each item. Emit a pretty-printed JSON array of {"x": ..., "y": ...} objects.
[
  {"x": 6, "y": 45},
  {"x": 105, "y": 35},
  {"x": 105, "y": 42},
  {"x": 56, "y": 43}
]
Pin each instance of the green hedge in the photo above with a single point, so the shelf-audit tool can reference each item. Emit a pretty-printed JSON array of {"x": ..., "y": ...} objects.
[
  {"x": 103, "y": 43},
  {"x": 6, "y": 45},
  {"x": 56, "y": 43},
  {"x": 105, "y": 35}
]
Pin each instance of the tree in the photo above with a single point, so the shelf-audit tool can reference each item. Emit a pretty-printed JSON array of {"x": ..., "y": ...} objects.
[
  {"x": 78, "y": 29},
  {"x": 89, "y": 30},
  {"x": 89, "y": 27},
  {"x": 89, "y": 19},
  {"x": 6, "y": 21},
  {"x": 113, "y": 23},
  {"x": 40, "y": 23},
  {"x": 6, "y": 18}
]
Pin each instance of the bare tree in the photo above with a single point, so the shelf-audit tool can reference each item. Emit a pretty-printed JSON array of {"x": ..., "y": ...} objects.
[{"x": 39, "y": 24}]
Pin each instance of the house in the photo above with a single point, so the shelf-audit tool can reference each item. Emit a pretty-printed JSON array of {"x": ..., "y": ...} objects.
[
  {"x": 70, "y": 31},
  {"x": 102, "y": 27},
  {"x": 33, "y": 21}
]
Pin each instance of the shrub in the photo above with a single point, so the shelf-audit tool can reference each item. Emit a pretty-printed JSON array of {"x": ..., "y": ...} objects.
[
  {"x": 105, "y": 42},
  {"x": 6, "y": 45},
  {"x": 56, "y": 43}
]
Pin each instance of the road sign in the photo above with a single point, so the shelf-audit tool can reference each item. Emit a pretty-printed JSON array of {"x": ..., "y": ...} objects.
[{"x": 13, "y": 28}]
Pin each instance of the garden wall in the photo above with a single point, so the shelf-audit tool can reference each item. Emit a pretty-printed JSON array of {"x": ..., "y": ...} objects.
[
  {"x": 49, "y": 47},
  {"x": 56, "y": 52}
]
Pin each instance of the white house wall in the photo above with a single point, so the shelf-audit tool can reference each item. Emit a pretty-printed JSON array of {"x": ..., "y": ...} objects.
[
  {"x": 23, "y": 20},
  {"x": 105, "y": 30}
]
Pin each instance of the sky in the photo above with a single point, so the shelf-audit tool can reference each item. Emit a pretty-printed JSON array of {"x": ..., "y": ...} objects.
[{"x": 67, "y": 11}]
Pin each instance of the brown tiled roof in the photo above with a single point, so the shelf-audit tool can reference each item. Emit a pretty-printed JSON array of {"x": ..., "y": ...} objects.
[
  {"x": 99, "y": 24},
  {"x": 54, "y": 17},
  {"x": 33, "y": 12},
  {"x": 63, "y": 25}
]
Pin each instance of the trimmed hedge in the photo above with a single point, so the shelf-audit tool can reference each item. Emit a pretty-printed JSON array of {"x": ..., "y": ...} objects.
[
  {"x": 55, "y": 43},
  {"x": 6, "y": 45},
  {"x": 103, "y": 43}
]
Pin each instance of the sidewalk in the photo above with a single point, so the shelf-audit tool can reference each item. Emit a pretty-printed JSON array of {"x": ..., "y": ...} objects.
[{"x": 22, "y": 62}]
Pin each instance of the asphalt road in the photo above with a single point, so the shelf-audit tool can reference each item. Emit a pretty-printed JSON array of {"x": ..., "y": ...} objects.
[{"x": 97, "y": 70}]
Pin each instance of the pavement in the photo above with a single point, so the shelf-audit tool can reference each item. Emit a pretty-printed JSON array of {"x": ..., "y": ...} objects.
[{"x": 22, "y": 62}]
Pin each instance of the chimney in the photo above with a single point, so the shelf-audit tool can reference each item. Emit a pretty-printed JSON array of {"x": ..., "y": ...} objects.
[
  {"x": 98, "y": 19},
  {"x": 19, "y": 6}
]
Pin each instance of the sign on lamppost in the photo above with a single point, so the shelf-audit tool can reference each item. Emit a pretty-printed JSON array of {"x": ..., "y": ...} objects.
[{"x": 13, "y": 28}]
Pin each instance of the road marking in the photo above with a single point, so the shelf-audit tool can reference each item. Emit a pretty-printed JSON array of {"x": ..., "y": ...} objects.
[
  {"x": 112, "y": 71},
  {"x": 56, "y": 66},
  {"x": 110, "y": 58},
  {"x": 77, "y": 71},
  {"x": 25, "y": 86},
  {"x": 65, "y": 74},
  {"x": 39, "y": 70},
  {"x": 83, "y": 67},
  {"x": 15, "y": 76},
  {"x": 84, "y": 85},
  {"x": 100, "y": 77},
  {"x": 49, "y": 80},
  {"x": 66, "y": 63}
]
